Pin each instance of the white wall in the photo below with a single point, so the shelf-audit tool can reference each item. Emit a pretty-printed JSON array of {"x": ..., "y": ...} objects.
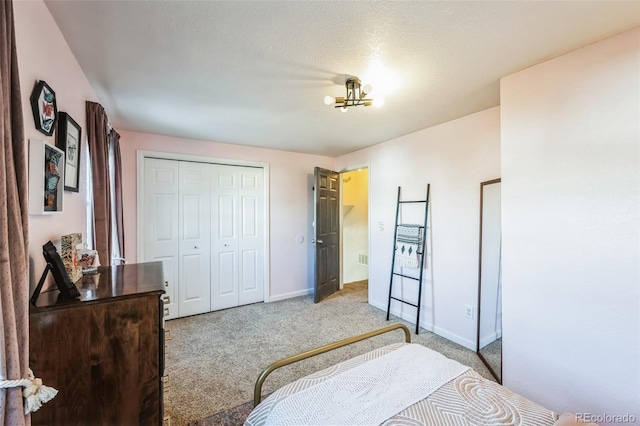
[
  {"x": 571, "y": 227},
  {"x": 355, "y": 224},
  {"x": 289, "y": 194},
  {"x": 454, "y": 157},
  {"x": 43, "y": 54}
]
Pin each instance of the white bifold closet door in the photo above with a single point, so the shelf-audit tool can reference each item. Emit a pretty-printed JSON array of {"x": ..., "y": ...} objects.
[
  {"x": 177, "y": 212},
  {"x": 195, "y": 232},
  {"x": 237, "y": 236},
  {"x": 205, "y": 222},
  {"x": 160, "y": 213}
]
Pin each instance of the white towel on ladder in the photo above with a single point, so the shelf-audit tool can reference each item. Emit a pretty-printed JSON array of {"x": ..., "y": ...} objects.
[{"x": 407, "y": 255}]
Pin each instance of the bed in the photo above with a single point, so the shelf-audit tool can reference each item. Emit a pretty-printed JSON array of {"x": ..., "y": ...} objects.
[{"x": 399, "y": 384}]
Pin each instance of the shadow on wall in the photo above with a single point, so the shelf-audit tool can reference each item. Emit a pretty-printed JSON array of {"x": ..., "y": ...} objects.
[{"x": 310, "y": 233}]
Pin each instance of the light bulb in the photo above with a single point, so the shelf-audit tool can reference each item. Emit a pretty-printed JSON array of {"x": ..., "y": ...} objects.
[
  {"x": 344, "y": 109},
  {"x": 328, "y": 100},
  {"x": 367, "y": 88},
  {"x": 378, "y": 102}
]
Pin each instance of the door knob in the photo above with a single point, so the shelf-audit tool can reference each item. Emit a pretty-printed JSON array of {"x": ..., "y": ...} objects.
[
  {"x": 319, "y": 241},
  {"x": 195, "y": 247}
]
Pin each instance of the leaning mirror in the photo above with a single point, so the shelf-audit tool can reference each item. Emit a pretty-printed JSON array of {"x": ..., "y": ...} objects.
[{"x": 489, "y": 336}]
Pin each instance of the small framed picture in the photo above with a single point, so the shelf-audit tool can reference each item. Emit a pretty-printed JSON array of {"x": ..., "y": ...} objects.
[
  {"x": 69, "y": 140},
  {"x": 44, "y": 107},
  {"x": 53, "y": 169}
]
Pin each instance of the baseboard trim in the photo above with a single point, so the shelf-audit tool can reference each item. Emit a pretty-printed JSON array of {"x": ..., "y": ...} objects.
[
  {"x": 490, "y": 338},
  {"x": 286, "y": 296},
  {"x": 427, "y": 326}
]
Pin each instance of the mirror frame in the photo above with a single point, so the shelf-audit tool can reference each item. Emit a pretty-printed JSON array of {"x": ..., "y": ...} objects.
[{"x": 495, "y": 374}]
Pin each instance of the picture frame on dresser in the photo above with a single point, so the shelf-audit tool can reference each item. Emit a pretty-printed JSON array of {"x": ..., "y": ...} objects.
[
  {"x": 69, "y": 139},
  {"x": 46, "y": 171}
]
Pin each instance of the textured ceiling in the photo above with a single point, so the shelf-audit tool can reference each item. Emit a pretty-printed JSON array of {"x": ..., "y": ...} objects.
[{"x": 256, "y": 73}]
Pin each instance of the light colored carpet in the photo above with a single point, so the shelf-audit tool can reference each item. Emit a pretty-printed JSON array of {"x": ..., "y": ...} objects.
[
  {"x": 492, "y": 353},
  {"x": 214, "y": 359}
]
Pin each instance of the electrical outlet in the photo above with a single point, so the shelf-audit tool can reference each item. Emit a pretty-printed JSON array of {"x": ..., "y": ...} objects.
[
  {"x": 468, "y": 311},
  {"x": 381, "y": 226}
]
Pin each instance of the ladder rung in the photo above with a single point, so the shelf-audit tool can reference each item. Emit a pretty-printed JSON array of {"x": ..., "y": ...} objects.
[
  {"x": 408, "y": 303},
  {"x": 418, "y": 252},
  {"x": 406, "y": 276},
  {"x": 421, "y": 251}
]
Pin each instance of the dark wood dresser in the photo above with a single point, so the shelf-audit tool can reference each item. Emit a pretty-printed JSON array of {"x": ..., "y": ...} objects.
[{"x": 104, "y": 352}]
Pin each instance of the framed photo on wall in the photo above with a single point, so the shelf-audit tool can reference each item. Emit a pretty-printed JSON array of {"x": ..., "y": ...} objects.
[
  {"x": 46, "y": 172},
  {"x": 44, "y": 107},
  {"x": 69, "y": 140}
]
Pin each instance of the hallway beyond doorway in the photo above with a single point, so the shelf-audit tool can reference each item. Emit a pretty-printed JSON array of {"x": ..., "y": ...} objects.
[{"x": 355, "y": 226}]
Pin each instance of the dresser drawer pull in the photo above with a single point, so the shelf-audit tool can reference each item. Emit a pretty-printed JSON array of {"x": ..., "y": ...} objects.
[
  {"x": 167, "y": 335},
  {"x": 167, "y": 300},
  {"x": 166, "y": 312}
]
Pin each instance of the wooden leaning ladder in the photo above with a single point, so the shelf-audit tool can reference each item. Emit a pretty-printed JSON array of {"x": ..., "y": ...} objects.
[{"x": 421, "y": 252}]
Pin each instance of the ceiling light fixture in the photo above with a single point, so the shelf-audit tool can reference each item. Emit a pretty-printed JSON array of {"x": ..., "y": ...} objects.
[{"x": 356, "y": 95}]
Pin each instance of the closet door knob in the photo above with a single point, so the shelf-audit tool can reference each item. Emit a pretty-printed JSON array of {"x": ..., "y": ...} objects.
[
  {"x": 226, "y": 245},
  {"x": 195, "y": 247}
]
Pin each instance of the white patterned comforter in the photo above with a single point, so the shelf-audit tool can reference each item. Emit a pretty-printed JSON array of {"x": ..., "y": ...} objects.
[{"x": 468, "y": 399}]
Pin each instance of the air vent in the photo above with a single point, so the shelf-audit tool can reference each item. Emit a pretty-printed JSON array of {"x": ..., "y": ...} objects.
[{"x": 363, "y": 259}]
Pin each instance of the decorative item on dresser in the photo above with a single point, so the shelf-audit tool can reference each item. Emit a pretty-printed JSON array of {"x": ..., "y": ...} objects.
[
  {"x": 68, "y": 245},
  {"x": 104, "y": 352}
]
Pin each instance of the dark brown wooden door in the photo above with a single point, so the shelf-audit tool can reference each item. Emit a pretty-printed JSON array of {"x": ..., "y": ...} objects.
[{"x": 327, "y": 233}]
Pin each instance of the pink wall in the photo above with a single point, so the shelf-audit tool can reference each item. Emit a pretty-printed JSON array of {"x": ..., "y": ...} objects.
[
  {"x": 454, "y": 157},
  {"x": 571, "y": 230},
  {"x": 290, "y": 191},
  {"x": 43, "y": 54},
  {"x": 53, "y": 62}
]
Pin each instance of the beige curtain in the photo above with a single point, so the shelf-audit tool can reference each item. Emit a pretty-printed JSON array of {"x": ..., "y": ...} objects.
[
  {"x": 14, "y": 257},
  {"x": 97, "y": 135}
]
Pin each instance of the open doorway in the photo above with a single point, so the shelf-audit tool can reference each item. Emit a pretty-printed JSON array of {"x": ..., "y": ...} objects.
[{"x": 355, "y": 227}]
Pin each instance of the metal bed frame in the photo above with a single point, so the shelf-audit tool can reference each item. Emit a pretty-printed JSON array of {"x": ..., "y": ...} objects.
[{"x": 257, "y": 393}]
